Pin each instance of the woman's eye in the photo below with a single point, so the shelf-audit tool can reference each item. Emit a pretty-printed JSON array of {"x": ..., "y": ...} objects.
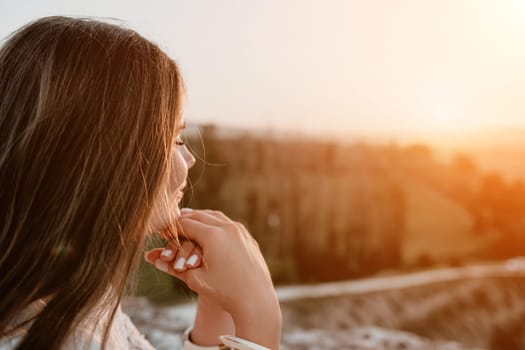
[{"x": 179, "y": 142}]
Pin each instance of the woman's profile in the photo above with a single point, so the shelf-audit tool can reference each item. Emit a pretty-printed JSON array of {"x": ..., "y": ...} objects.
[{"x": 91, "y": 165}]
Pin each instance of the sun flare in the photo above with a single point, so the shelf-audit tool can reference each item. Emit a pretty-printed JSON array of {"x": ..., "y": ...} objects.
[{"x": 443, "y": 113}]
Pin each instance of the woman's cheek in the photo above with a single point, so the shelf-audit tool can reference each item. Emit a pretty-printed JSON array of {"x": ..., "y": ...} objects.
[
  {"x": 179, "y": 172},
  {"x": 166, "y": 209}
]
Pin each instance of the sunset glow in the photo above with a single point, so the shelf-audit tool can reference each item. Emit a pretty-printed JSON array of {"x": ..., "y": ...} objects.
[
  {"x": 352, "y": 174},
  {"x": 339, "y": 67}
]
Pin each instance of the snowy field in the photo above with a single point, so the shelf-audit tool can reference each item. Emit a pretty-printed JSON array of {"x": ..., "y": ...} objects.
[{"x": 475, "y": 307}]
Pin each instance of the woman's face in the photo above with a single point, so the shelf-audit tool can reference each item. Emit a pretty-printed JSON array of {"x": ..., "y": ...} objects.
[{"x": 166, "y": 210}]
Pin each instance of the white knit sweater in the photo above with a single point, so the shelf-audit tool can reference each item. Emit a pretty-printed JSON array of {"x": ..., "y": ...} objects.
[{"x": 123, "y": 334}]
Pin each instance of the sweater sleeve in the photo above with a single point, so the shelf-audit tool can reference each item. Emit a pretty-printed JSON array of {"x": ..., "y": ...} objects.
[{"x": 189, "y": 345}]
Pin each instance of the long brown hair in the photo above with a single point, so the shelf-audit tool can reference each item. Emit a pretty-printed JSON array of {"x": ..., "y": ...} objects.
[{"x": 88, "y": 116}]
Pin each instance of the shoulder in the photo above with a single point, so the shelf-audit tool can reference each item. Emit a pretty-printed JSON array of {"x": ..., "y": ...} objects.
[
  {"x": 10, "y": 343},
  {"x": 126, "y": 331},
  {"x": 123, "y": 335}
]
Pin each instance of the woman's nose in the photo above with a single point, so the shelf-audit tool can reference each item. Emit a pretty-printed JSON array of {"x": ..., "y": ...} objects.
[{"x": 188, "y": 157}]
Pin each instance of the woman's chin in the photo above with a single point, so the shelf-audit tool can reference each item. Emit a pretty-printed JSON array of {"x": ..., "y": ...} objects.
[{"x": 159, "y": 224}]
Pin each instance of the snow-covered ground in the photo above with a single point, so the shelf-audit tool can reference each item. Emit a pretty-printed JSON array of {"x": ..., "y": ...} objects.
[{"x": 474, "y": 307}]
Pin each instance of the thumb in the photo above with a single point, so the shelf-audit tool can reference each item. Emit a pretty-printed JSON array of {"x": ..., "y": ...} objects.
[{"x": 153, "y": 257}]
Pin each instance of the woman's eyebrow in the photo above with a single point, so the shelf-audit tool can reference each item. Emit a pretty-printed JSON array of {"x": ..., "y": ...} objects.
[{"x": 182, "y": 124}]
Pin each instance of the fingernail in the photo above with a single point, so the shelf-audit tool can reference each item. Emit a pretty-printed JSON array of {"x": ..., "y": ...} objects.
[
  {"x": 192, "y": 260},
  {"x": 166, "y": 253},
  {"x": 161, "y": 265},
  {"x": 179, "y": 264},
  {"x": 186, "y": 210}
]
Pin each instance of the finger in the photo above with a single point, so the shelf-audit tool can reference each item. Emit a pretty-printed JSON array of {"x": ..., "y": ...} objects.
[
  {"x": 169, "y": 252},
  {"x": 216, "y": 214},
  {"x": 196, "y": 230},
  {"x": 167, "y": 267},
  {"x": 182, "y": 255},
  {"x": 152, "y": 255},
  {"x": 203, "y": 216},
  {"x": 210, "y": 217},
  {"x": 195, "y": 258},
  {"x": 191, "y": 277}
]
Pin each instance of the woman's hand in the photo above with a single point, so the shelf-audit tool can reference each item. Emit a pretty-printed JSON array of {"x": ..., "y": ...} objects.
[
  {"x": 211, "y": 321},
  {"x": 232, "y": 273}
]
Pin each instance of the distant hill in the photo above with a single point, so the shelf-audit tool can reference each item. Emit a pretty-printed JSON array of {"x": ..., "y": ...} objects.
[
  {"x": 500, "y": 151},
  {"x": 436, "y": 226}
]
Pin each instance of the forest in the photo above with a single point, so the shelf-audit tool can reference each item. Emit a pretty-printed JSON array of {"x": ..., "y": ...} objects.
[{"x": 323, "y": 210}]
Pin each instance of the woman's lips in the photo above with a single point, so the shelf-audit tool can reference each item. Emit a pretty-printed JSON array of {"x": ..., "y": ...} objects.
[{"x": 180, "y": 192}]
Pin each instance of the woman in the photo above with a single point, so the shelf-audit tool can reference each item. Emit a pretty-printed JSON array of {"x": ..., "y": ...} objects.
[{"x": 91, "y": 164}]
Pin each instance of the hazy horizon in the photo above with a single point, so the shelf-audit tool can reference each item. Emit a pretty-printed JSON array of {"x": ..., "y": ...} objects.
[{"x": 498, "y": 151}]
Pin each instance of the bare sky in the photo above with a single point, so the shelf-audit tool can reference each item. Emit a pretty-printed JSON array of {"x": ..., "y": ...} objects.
[{"x": 368, "y": 66}]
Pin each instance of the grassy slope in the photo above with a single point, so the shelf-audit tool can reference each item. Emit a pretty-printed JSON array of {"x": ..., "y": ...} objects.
[{"x": 436, "y": 226}]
